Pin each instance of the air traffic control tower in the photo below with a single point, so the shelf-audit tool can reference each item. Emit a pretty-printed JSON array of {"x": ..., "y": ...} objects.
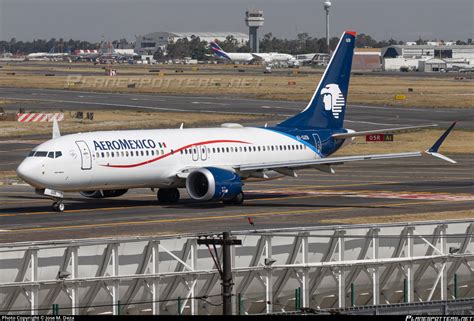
[{"x": 254, "y": 20}]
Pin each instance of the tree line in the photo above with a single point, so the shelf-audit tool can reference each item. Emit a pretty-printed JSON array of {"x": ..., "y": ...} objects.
[{"x": 198, "y": 49}]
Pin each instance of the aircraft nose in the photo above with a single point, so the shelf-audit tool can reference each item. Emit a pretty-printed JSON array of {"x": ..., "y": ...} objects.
[{"x": 26, "y": 170}]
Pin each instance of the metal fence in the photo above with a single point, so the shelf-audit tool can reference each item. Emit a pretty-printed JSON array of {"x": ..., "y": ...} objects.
[{"x": 273, "y": 271}]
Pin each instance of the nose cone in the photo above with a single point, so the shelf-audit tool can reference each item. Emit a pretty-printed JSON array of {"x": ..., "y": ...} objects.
[{"x": 27, "y": 171}]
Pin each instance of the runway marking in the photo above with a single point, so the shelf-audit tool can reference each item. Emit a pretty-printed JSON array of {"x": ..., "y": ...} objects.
[
  {"x": 211, "y": 218},
  {"x": 135, "y": 106}
]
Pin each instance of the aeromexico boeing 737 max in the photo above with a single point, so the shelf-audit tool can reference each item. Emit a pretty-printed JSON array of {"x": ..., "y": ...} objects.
[{"x": 211, "y": 163}]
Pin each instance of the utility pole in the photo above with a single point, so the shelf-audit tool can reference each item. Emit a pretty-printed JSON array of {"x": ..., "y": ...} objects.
[{"x": 226, "y": 271}]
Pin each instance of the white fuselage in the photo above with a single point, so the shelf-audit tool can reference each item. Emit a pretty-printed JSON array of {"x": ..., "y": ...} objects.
[
  {"x": 266, "y": 57},
  {"x": 152, "y": 158},
  {"x": 240, "y": 56},
  {"x": 275, "y": 57}
]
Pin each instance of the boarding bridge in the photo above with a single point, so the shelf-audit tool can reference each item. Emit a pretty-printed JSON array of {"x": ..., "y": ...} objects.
[{"x": 273, "y": 270}]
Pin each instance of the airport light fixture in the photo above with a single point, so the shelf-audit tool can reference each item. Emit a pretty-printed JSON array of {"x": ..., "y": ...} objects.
[{"x": 327, "y": 5}]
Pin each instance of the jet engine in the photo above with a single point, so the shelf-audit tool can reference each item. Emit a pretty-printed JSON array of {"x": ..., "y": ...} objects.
[
  {"x": 212, "y": 183},
  {"x": 104, "y": 193}
]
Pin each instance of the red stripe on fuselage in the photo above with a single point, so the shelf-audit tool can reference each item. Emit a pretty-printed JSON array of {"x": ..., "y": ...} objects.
[{"x": 175, "y": 151}]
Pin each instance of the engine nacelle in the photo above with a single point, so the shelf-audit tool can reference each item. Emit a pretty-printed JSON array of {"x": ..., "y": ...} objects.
[
  {"x": 212, "y": 183},
  {"x": 104, "y": 193}
]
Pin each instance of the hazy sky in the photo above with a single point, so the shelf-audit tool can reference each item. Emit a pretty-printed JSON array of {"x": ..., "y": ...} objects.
[{"x": 114, "y": 19}]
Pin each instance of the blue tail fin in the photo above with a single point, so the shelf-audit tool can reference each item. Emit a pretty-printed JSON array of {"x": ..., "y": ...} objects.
[
  {"x": 328, "y": 104},
  {"x": 218, "y": 51}
]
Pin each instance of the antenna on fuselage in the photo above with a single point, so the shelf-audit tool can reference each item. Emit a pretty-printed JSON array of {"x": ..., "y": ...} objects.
[
  {"x": 182, "y": 125},
  {"x": 56, "y": 132}
]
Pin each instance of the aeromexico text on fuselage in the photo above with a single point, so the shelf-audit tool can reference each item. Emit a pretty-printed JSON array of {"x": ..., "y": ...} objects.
[{"x": 119, "y": 144}]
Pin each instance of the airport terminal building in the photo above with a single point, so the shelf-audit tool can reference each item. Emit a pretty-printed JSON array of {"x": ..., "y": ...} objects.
[
  {"x": 149, "y": 43},
  {"x": 427, "y": 58}
]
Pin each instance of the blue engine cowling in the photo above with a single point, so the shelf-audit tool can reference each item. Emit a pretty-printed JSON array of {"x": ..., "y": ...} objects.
[{"x": 212, "y": 183}]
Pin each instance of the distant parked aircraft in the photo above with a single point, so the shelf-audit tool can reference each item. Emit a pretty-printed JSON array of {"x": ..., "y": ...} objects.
[{"x": 269, "y": 57}]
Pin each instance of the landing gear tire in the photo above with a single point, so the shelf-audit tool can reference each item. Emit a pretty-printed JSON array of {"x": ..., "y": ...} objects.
[
  {"x": 168, "y": 195},
  {"x": 237, "y": 200},
  {"x": 58, "y": 206}
]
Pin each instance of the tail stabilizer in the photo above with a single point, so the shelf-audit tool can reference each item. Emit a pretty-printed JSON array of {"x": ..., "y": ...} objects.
[
  {"x": 218, "y": 51},
  {"x": 327, "y": 107}
]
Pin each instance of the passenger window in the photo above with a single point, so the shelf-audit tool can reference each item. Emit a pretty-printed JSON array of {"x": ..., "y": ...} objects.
[
  {"x": 227, "y": 149},
  {"x": 126, "y": 153},
  {"x": 51, "y": 154},
  {"x": 147, "y": 153},
  {"x": 143, "y": 153},
  {"x": 112, "y": 154},
  {"x": 96, "y": 154},
  {"x": 213, "y": 149},
  {"x": 108, "y": 154},
  {"x": 102, "y": 154},
  {"x": 162, "y": 152}
]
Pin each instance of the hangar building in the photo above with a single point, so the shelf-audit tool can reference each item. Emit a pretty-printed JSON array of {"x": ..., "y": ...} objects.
[
  {"x": 149, "y": 43},
  {"x": 417, "y": 57}
]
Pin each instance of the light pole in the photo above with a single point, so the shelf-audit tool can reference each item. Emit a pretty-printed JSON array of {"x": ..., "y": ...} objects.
[{"x": 327, "y": 5}]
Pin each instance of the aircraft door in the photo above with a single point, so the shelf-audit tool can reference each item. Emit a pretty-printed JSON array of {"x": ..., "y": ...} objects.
[
  {"x": 195, "y": 152},
  {"x": 86, "y": 157},
  {"x": 203, "y": 153},
  {"x": 317, "y": 142}
]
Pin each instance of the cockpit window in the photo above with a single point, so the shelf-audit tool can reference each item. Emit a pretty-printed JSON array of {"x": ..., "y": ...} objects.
[{"x": 35, "y": 153}]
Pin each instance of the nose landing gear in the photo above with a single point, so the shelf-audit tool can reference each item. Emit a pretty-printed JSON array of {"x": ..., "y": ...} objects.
[
  {"x": 57, "y": 196},
  {"x": 58, "y": 206}
]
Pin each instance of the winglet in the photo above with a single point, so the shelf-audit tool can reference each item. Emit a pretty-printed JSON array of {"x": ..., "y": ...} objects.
[
  {"x": 434, "y": 149},
  {"x": 56, "y": 132}
]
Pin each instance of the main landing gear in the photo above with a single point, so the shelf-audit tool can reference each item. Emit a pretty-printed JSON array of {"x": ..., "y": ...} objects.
[
  {"x": 237, "y": 200},
  {"x": 168, "y": 195}
]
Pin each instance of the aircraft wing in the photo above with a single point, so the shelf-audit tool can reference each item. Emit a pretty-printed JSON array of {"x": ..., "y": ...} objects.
[
  {"x": 324, "y": 161},
  {"x": 261, "y": 57},
  {"x": 379, "y": 131},
  {"x": 328, "y": 161}
]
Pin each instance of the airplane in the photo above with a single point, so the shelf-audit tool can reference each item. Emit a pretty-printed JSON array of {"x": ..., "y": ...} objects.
[
  {"x": 249, "y": 57},
  {"x": 218, "y": 52},
  {"x": 211, "y": 163},
  {"x": 51, "y": 55}
]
